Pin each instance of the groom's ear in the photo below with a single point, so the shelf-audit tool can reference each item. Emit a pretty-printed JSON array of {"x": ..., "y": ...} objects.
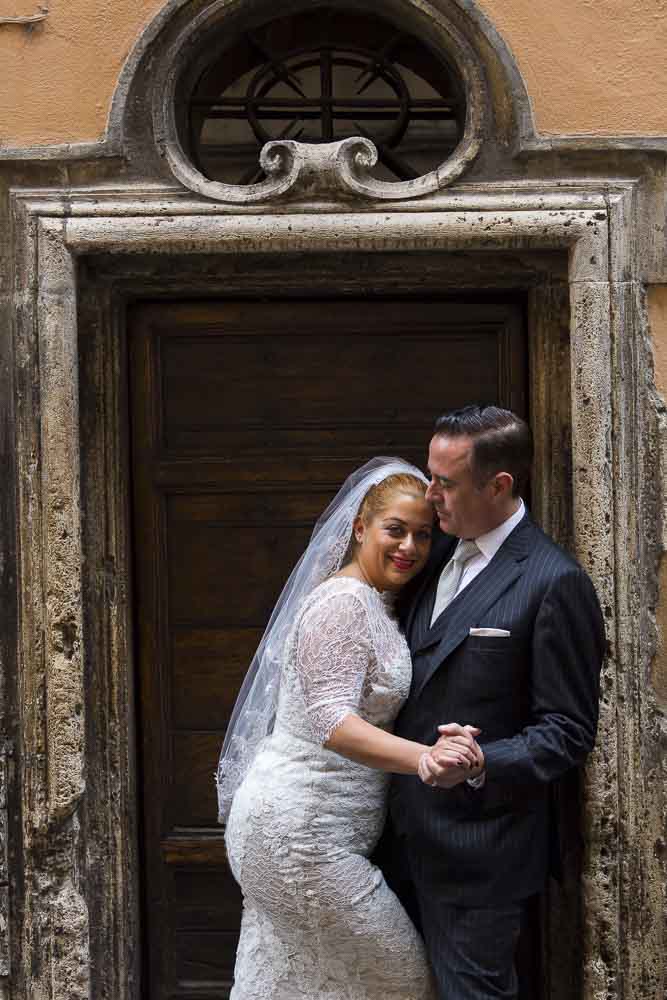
[{"x": 502, "y": 485}]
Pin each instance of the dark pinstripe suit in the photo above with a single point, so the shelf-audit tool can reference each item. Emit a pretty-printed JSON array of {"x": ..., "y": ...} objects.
[{"x": 534, "y": 695}]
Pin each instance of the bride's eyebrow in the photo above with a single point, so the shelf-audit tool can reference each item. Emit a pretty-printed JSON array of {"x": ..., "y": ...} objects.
[{"x": 398, "y": 520}]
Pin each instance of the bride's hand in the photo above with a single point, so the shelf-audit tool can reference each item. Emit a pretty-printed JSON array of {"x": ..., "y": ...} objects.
[
  {"x": 447, "y": 763},
  {"x": 444, "y": 770}
]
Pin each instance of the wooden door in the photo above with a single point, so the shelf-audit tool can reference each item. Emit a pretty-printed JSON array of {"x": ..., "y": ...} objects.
[{"x": 246, "y": 416}]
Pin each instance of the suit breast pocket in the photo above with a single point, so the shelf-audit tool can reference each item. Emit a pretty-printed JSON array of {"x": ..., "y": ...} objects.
[
  {"x": 502, "y": 644},
  {"x": 494, "y": 666}
]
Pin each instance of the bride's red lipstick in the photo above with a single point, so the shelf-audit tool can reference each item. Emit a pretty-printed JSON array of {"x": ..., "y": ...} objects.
[{"x": 402, "y": 564}]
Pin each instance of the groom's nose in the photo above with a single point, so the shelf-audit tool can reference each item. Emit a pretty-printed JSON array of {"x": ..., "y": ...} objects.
[{"x": 432, "y": 490}]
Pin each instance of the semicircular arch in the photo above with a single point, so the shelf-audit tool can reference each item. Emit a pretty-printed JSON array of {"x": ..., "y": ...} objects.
[{"x": 142, "y": 127}]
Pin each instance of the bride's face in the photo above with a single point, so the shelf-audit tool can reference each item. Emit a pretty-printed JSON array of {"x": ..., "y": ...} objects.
[{"x": 394, "y": 545}]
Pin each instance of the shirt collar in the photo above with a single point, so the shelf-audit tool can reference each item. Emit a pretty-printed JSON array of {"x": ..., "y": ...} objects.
[{"x": 489, "y": 543}]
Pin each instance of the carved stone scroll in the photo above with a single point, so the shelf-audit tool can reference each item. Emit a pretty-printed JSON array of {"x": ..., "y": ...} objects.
[{"x": 327, "y": 169}]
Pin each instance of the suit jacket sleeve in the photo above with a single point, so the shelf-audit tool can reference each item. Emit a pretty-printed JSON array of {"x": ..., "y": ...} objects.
[{"x": 567, "y": 652}]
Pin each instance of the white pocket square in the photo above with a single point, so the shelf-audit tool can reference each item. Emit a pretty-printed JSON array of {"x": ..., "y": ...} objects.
[{"x": 499, "y": 632}]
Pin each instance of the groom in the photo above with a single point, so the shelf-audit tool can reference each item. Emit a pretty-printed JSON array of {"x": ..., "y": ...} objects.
[{"x": 506, "y": 634}]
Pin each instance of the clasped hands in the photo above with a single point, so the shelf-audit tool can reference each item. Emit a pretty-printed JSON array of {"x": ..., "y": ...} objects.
[{"x": 455, "y": 758}]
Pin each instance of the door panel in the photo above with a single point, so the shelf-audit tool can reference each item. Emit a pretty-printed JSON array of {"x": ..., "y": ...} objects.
[{"x": 246, "y": 416}]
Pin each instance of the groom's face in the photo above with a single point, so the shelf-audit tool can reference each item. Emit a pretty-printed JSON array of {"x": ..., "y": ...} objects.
[{"x": 463, "y": 508}]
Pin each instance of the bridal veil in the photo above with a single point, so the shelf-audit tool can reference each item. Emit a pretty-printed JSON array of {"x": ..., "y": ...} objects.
[{"x": 254, "y": 712}]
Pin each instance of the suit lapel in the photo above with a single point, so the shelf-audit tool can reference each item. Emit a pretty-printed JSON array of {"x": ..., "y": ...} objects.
[{"x": 468, "y": 609}]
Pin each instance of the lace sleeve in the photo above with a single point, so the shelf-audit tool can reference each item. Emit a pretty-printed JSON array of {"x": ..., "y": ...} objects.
[{"x": 332, "y": 657}]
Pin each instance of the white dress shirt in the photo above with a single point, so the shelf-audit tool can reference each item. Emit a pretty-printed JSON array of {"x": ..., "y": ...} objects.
[{"x": 488, "y": 544}]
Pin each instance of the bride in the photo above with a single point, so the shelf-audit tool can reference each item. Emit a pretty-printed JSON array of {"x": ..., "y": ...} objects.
[{"x": 304, "y": 770}]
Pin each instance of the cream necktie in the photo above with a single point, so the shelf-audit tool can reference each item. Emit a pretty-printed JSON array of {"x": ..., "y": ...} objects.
[{"x": 450, "y": 578}]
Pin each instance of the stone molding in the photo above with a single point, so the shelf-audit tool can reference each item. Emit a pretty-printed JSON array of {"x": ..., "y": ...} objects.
[{"x": 54, "y": 230}]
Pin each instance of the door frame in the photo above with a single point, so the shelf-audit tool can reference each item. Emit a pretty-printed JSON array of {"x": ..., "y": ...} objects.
[{"x": 76, "y": 763}]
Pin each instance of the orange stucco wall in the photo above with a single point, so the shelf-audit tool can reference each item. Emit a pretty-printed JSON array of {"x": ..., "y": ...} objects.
[
  {"x": 591, "y": 66},
  {"x": 58, "y": 77}
]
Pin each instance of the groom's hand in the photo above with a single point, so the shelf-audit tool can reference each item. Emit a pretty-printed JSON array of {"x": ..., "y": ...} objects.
[{"x": 455, "y": 758}]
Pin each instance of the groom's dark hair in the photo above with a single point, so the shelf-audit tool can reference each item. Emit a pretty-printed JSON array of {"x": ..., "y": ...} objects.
[{"x": 501, "y": 441}]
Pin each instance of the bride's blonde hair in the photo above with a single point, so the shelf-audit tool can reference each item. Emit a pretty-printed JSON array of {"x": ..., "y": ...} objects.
[{"x": 381, "y": 495}]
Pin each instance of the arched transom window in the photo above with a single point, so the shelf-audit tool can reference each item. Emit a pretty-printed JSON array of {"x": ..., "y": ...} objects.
[{"x": 321, "y": 76}]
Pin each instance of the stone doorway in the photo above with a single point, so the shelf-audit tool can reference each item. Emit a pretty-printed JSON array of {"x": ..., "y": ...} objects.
[{"x": 74, "y": 503}]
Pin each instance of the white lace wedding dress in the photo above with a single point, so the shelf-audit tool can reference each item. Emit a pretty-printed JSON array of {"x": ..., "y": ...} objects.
[{"x": 319, "y": 921}]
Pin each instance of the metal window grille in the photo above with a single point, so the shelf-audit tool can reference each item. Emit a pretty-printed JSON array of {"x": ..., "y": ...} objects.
[{"x": 318, "y": 77}]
